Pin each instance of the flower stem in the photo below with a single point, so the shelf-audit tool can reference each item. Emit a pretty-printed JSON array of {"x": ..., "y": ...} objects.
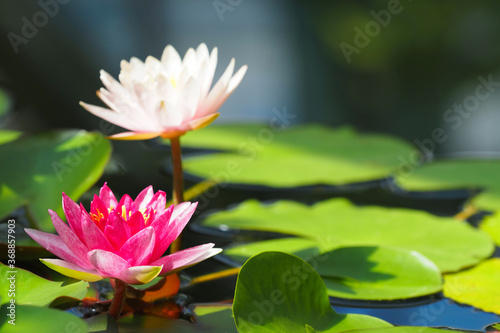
[
  {"x": 116, "y": 306},
  {"x": 178, "y": 195}
]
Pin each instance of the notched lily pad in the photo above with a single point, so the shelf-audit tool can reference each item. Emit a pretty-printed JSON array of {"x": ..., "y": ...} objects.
[
  {"x": 39, "y": 167},
  {"x": 478, "y": 286},
  {"x": 30, "y": 318},
  {"x": 458, "y": 174},
  {"x": 450, "y": 244},
  {"x": 358, "y": 272},
  {"x": 279, "y": 292},
  {"x": 31, "y": 289},
  {"x": 302, "y": 155}
]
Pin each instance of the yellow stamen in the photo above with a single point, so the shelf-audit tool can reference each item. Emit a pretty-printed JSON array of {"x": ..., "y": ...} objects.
[
  {"x": 97, "y": 217},
  {"x": 124, "y": 213},
  {"x": 173, "y": 82}
]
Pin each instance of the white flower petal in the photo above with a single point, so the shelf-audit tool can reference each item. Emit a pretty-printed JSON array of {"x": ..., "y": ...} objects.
[
  {"x": 168, "y": 96},
  {"x": 111, "y": 116},
  {"x": 171, "y": 60},
  {"x": 236, "y": 79},
  {"x": 189, "y": 61},
  {"x": 202, "y": 52},
  {"x": 212, "y": 64}
]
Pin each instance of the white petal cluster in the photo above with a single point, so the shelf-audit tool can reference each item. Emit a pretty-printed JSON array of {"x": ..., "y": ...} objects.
[{"x": 171, "y": 95}]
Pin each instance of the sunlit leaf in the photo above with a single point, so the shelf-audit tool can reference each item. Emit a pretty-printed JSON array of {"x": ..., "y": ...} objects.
[
  {"x": 31, "y": 289},
  {"x": 369, "y": 273},
  {"x": 491, "y": 224},
  {"x": 303, "y": 155},
  {"x": 458, "y": 174},
  {"x": 279, "y": 292},
  {"x": 41, "y": 320},
  {"x": 449, "y": 243},
  {"x": 46, "y": 165},
  {"x": 8, "y": 136},
  {"x": 478, "y": 286}
]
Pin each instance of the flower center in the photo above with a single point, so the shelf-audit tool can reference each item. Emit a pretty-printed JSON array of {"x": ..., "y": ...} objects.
[
  {"x": 173, "y": 81},
  {"x": 97, "y": 217},
  {"x": 124, "y": 213}
]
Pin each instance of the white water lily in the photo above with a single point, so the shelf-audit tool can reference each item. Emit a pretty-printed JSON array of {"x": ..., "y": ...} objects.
[{"x": 166, "y": 97}]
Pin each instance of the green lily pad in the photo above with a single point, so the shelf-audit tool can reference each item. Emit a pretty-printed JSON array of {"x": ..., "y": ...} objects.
[
  {"x": 8, "y": 136},
  {"x": 302, "y": 155},
  {"x": 450, "y": 244},
  {"x": 43, "y": 320},
  {"x": 368, "y": 272},
  {"x": 31, "y": 289},
  {"x": 491, "y": 224},
  {"x": 458, "y": 174},
  {"x": 36, "y": 169},
  {"x": 279, "y": 292},
  {"x": 478, "y": 286}
]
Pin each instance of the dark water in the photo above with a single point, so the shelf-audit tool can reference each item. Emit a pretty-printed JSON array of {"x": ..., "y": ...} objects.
[{"x": 440, "y": 313}]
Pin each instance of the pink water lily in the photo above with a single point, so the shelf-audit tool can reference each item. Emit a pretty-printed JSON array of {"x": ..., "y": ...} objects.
[
  {"x": 165, "y": 97},
  {"x": 122, "y": 239}
]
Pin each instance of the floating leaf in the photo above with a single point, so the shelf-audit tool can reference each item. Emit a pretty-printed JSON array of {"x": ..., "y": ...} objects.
[
  {"x": 491, "y": 224},
  {"x": 33, "y": 290},
  {"x": 478, "y": 286},
  {"x": 458, "y": 174},
  {"x": 41, "y": 320},
  {"x": 46, "y": 165},
  {"x": 279, "y": 292},
  {"x": 303, "y": 155},
  {"x": 368, "y": 273},
  {"x": 8, "y": 136},
  {"x": 450, "y": 244}
]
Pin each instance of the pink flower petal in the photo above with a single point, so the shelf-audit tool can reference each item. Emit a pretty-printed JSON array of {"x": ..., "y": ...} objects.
[
  {"x": 168, "y": 234},
  {"x": 136, "y": 223},
  {"x": 73, "y": 215},
  {"x": 160, "y": 226},
  {"x": 116, "y": 231},
  {"x": 178, "y": 223},
  {"x": 161, "y": 222},
  {"x": 159, "y": 202},
  {"x": 138, "y": 248},
  {"x": 100, "y": 211},
  {"x": 70, "y": 239},
  {"x": 72, "y": 270},
  {"x": 126, "y": 201},
  {"x": 144, "y": 198},
  {"x": 94, "y": 237},
  {"x": 107, "y": 263},
  {"x": 107, "y": 197},
  {"x": 55, "y": 245},
  {"x": 182, "y": 258},
  {"x": 178, "y": 209}
]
